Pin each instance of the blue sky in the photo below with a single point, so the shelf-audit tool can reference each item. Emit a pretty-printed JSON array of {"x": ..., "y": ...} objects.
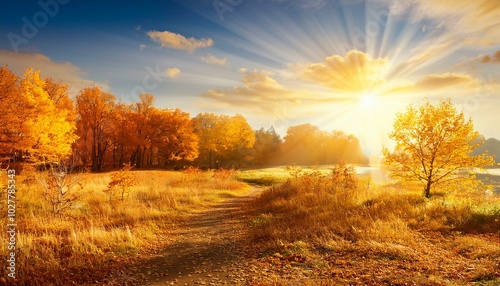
[{"x": 339, "y": 64}]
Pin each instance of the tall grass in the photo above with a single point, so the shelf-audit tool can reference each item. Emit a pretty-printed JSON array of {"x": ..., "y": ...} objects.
[
  {"x": 325, "y": 215},
  {"x": 97, "y": 230}
]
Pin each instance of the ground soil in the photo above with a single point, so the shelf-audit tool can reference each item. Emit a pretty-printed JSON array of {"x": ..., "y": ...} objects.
[{"x": 208, "y": 249}]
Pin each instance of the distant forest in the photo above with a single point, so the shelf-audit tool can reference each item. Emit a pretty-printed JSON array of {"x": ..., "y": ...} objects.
[
  {"x": 492, "y": 146},
  {"x": 42, "y": 124}
]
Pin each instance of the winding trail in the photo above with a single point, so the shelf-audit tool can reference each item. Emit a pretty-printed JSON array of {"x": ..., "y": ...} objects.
[{"x": 208, "y": 250}]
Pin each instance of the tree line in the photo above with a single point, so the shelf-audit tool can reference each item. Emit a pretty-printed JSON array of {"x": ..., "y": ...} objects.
[{"x": 41, "y": 123}]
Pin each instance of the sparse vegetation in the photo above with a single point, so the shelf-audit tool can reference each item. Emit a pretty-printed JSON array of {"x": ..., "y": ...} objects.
[
  {"x": 121, "y": 183},
  {"x": 61, "y": 187}
]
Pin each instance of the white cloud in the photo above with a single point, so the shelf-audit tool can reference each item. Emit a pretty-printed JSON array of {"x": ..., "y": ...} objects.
[
  {"x": 177, "y": 41},
  {"x": 211, "y": 59},
  {"x": 142, "y": 47},
  {"x": 63, "y": 71},
  {"x": 173, "y": 72}
]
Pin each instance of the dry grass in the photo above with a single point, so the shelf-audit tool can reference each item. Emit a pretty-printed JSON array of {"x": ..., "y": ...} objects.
[
  {"x": 97, "y": 232},
  {"x": 379, "y": 234}
]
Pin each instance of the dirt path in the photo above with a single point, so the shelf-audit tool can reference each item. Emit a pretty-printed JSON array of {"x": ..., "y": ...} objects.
[{"x": 208, "y": 250}]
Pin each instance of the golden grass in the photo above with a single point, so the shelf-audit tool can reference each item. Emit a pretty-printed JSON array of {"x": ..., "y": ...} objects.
[
  {"x": 382, "y": 223},
  {"x": 55, "y": 249}
]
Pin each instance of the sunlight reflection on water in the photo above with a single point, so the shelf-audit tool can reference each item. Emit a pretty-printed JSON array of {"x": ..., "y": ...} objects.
[{"x": 380, "y": 175}]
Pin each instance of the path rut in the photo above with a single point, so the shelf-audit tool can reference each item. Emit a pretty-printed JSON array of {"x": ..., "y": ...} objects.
[{"x": 208, "y": 250}]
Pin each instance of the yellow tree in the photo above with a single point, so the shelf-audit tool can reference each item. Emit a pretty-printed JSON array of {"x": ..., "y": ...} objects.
[
  {"x": 36, "y": 118},
  {"x": 12, "y": 129},
  {"x": 224, "y": 140},
  {"x": 433, "y": 143},
  {"x": 209, "y": 129},
  {"x": 59, "y": 93},
  {"x": 238, "y": 140},
  {"x": 51, "y": 131}
]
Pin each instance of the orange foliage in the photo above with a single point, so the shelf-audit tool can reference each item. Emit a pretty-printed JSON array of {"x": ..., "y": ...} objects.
[
  {"x": 43, "y": 124},
  {"x": 95, "y": 109}
]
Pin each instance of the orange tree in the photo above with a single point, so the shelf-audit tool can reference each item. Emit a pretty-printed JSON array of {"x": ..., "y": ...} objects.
[{"x": 433, "y": 143}]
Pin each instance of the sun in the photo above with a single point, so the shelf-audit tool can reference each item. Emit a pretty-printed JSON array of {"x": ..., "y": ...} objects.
[{"x": 368, "y": 101}]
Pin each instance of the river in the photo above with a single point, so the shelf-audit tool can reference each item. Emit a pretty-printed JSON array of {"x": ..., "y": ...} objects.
[{"x": 380, "y": 175}]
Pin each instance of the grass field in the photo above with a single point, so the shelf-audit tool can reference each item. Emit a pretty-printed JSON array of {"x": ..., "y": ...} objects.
[
  {"x": 97, "y": 232},
  {"x": 280, "y": 174},
  {"x": 338, "y": 229},
  {"x": 339, "y": 233}
]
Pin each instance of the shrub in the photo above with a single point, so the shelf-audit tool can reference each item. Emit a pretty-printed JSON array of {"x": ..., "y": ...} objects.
[
  {"x": 223, "y": 174},
  {"x": 60, "y": 188},
  {"x": 121, "y": 183}
]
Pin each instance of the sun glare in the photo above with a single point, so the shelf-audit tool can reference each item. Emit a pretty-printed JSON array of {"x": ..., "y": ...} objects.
[{"x": 368, "y": 101}]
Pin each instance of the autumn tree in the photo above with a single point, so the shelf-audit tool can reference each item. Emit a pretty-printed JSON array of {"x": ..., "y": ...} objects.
[
  {"x": 208, "y": 128},
  {"x": 11, "y": 114},
  {"x": 225, "y": 141},
  {"x": 123, "y": 135},
  {"x": 59, "y": 94},
  {"x": 302, "y": 144},
  {"x": 239, "y": 139},
  {"x": 36, "y": 127},
  {"x": 95, "y": 111},
  {"x": 307, "y": 144},
  {"x": 158, "y": 136},
  {"x": 143, "y": 111},
  {"x": 51, "y": 129},
  {"x": 433, "y": 142},
  {"x": 338, "y": 146},
  {"x": 267, "y": 146},
  {"x": 121, "y": 183},
  {"x": 174, "y": 136}
]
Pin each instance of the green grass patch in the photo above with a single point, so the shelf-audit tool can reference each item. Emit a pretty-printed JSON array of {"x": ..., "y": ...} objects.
[{"x": 263, "y": 177}]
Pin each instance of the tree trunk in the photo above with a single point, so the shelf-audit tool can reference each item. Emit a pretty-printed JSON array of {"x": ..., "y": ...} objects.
[
  {"x": 94, "y": 157},
  {"x": 114, "y": 156},
  {"x": 427, "y": 190},
  {"x": 210, "y": 159}
]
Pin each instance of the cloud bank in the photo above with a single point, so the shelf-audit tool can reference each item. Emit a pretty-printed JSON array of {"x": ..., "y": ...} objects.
[
  {"x": 62, "y": 71},
  {"x": 357, "y": 72}
]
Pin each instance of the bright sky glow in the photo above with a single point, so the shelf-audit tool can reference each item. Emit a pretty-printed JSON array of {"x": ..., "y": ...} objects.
[
  {"x": 369, "y": 101},
  {"x": 340, "y": 64}
]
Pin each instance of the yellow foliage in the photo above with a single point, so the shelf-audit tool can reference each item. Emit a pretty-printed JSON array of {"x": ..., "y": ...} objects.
[
  {"x": 433, "y": 144},
  {"x": 223, "y": 140},
  {"x": 35, "y": 123}
]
